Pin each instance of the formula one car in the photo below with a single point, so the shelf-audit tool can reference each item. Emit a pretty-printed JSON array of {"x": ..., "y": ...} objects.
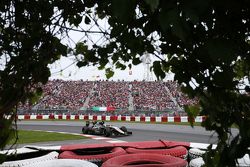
[{"x": 100, "y": 128}]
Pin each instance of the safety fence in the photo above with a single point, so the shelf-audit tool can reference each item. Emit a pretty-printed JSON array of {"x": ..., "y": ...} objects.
[{"x": 113, "y": 118}]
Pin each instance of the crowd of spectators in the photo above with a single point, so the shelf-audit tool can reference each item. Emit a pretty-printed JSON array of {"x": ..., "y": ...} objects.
[
  {"x": 110, "y": 93},
  {"x": 151, "y": 96},
  {"x": 181, "y": 98},
  {"x": 83, "y": 95},
  {"x": 59, "y": 94}
]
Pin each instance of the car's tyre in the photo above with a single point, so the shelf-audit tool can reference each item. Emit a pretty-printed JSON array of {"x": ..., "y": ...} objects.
[
  {"x": 85, "y": 130},
  {"x": 178, "y": 151},
  {"x": 107, "y": 132},
  {"x": 124, "y": 129},
  {"x": 94, "y": 155},
  {"x": 145, "y": 160}
]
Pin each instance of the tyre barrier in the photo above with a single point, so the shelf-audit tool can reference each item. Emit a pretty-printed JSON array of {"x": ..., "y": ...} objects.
[
  {"x": 140, "y": 145},
  {"x": 93, "y": 155},
  {"x": 198, "y": 161},
  {"x": 50, "y": 156},
  {"x": 178, "y": 151},
  {"x": 145, "y": 160},
  {"x": 195, "y": 153},
  {"x": 244, "y": 161},
  {"x": 63, "y": 163},
  {"x": 18, "y": 151},
  {"x": 43, "y": 148}
]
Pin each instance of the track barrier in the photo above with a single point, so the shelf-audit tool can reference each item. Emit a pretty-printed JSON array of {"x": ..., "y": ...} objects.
[
  {"x": 155, "y": 153},
  {"x": 152, "y": 119}
]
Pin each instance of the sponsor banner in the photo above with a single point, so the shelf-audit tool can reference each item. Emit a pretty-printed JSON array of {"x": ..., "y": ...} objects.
[
  {"x": 20, "y": 116},
  {"x": 198, "y": 119},
  {"x": 33, "y": 116},
  {"x": 81, "y": 117},
  {"x": 147, "y": 119},
  {"x": 45, "y": 117},
  {"x": 170, "y": 119},
  {"x": 99, "y": 117},
  {"x": 184, "y": 119},
  {"x": 127, "y": 118},
  {"x": 107, "y": 118},
  {"x": 137, "y": 119},
  {"x": 90, "y": 117},
  {"x": 157, "y": 119},
  {"x": 102, "y": 108}
]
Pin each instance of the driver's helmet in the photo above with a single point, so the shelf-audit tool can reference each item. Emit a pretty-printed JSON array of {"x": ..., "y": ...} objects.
[
  {"x": 87, "y": 123},
  {"x": 94, "y": 122},
  {"x": 102, "y": 123}
]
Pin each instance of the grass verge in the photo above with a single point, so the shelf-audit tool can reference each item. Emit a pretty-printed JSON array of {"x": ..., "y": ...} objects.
[{"x": 25, "y": 136}]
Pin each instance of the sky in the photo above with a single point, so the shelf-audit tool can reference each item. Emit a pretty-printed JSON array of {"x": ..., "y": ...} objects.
[
  {"x": 91, "y": 73},
  {"x": 65, "y": 70}
]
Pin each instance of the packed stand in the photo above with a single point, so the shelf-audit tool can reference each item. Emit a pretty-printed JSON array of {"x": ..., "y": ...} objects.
[
  {"x": 50, "y": 88},
  {"x": 145, "y": 98},
  {"x": 180, "y": 97},
  {"x": 66, "y": 94},
  {"x": 110, "y": 93},
  {"x": 151, "y": 96}
]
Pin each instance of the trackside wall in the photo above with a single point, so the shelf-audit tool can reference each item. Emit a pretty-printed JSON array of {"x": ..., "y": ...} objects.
[{"x": 112, "y": 118}]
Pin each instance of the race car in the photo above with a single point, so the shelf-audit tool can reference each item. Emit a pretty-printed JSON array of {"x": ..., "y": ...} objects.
[{"x": 100, "y": 128}]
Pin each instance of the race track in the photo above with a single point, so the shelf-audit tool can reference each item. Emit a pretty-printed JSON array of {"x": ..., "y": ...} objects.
[{"x": 141, "y": 132}]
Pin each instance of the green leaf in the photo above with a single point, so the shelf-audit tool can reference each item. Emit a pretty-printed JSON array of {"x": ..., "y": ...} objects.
[
  {"x": 192, "y": 111},
  {"x": 224, "y": 79},
  {"x": 221, "y": 50},
  {"x": 109, "y": 73},
  {"x": 115, "y": 57},
  {"x": 89, "y": 56},
  {"x": 136, "y": 61},
  {"x": 87, "y": 20},
  {"x": 153, "y": 4},
  {"x": 81, "y": 48},
  {"x": 188, "y": 90},
  {"x": 123, "y": 10},
  {"x": 167, "y": 18},
  {"x": 2, "y": 158},
  {"x": 120, "y": 66},
  {"x": 158, "y": 70},
  {"x": 179, "y": 30},
  {"x": 195, "y": 8},
  {"x": 170, "y": 19},
  {"x": 130, "y": 66},
  {"x": 101, "y": 67},
  {"x": 77, "y": 20},
  {"x": 81, "y": 63}
]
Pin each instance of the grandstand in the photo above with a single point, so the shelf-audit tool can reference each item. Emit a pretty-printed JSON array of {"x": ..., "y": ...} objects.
[{"x": 109, "y": 98}]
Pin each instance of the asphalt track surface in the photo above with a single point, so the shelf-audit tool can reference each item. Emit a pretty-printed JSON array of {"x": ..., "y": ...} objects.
[{"x": 141, "y": 132}]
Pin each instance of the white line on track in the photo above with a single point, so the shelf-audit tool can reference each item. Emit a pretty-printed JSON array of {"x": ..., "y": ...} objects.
[{"x": 105, "y": 139}]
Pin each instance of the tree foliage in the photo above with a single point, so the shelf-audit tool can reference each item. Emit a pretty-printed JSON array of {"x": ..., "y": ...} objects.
[
  {"x": 30, "y": 39},
  {"x": 205, "y": 43}
]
